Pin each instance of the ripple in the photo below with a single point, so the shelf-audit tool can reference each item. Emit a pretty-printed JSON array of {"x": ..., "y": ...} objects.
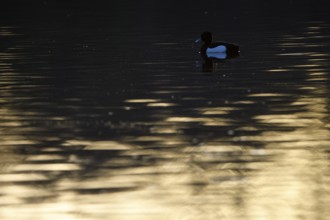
[
  {"x": 22, "y": 177},
  {"x": 47, "y": 167}
]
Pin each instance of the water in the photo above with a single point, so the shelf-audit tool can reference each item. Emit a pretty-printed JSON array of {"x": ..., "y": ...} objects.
[{"x": 106, "y": 112}]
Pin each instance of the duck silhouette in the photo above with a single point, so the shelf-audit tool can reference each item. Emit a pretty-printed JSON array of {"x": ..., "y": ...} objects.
[
  {"x": 212, "y": 51},
  {"x": 218, "y": 49}
]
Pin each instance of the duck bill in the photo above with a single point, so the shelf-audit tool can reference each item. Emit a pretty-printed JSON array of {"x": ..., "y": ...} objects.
[{"x": 198, "y": 40}]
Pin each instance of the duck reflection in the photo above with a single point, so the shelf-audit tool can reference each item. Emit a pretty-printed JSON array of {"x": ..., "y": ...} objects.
[
  {"x": 215, "y": 52},
  {"x": 210, "y": 60}
]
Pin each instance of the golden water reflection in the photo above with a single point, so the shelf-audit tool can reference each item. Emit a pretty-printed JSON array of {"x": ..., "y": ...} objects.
[{"x": 260, "y": 154}]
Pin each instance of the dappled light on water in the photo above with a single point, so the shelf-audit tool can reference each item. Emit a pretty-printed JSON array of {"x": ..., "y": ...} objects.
[{"x": 105, "y": 133}]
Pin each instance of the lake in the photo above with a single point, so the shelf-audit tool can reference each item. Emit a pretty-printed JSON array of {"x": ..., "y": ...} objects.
[{"x": 108, "y": 112}]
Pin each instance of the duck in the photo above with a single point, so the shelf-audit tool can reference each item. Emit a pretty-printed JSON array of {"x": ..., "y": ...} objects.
[{"x": 217, "y": 50}]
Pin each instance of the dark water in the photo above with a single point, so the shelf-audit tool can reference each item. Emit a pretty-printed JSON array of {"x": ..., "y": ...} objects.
[{"x": 107, "y": 114}]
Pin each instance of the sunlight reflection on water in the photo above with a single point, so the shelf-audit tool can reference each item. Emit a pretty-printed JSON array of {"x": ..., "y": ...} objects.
[{"x": 173, "y": 143}]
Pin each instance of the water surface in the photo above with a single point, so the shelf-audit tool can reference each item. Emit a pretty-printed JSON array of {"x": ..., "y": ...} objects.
[{"x": 106, "y": 112}]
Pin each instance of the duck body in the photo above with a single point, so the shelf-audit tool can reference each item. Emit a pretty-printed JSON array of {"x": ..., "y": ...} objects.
[{"x": 220, "y": 50}]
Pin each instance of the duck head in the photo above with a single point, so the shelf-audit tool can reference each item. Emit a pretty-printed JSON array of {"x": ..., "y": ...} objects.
[{"x": 207, "y": 37}]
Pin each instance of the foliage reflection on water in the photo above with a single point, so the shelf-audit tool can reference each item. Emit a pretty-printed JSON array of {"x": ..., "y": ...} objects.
[{"x": 174, "y": 143}]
